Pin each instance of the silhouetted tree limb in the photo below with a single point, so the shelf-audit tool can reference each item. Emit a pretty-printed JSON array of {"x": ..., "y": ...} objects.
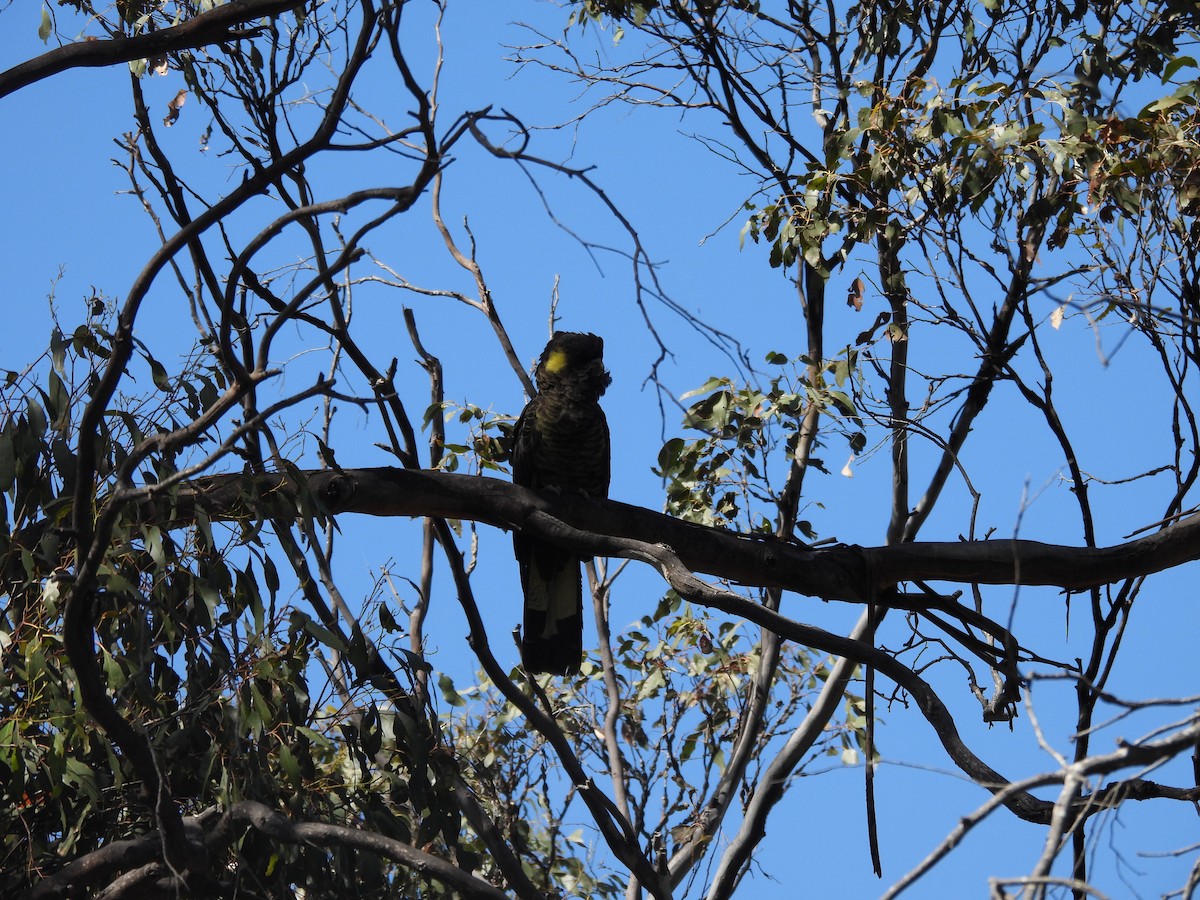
[
  {"x": 214, "y": 830},
  {"x": 215, "y": 25},
  {"x": 842, "y": 572}
]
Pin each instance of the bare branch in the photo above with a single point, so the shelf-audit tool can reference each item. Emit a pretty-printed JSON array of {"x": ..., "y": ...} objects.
[{"x": 217, "y": 24}]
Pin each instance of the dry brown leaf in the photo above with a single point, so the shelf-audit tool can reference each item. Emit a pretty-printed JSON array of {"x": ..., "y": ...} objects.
[
  {"x": 173, "y": 108},
  {"x": 854, "y": 297}
]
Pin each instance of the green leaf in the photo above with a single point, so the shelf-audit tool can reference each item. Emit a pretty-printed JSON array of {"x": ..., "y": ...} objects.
[
  {"x": 291, "y": 768},
  {"x": 321, "y": 633},
  {"x": 158, "y": 372},
  {"x": 1175, "y": 65},
  {"x": 668, "y": 456},
  {"x": 58, "y": 351},
  {"x": 449, "y": 694},
  {"x": 209, "y": 596},
  {"x": 841, "y": 371},
  {"x": 710, "y": 385},
  {"x": 8, "y": 461},
  {"x": 37, "y": 419},
  {"x": 154, "y": 544},
  {"x": 270, "y": 576},
  {"x": 58, "y": 402},
  {"x": 1161, "y": 105},
  {"x": 843, "y": 401}
]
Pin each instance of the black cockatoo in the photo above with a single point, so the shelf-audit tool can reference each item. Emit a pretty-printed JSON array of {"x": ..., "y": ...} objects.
[{"x": 560, "y": 443}]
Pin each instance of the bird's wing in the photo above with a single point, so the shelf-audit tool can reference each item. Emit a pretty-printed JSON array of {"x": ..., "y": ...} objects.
[
  {"x": 524, "y": 446},
  {"x": 604, "y": 454}
]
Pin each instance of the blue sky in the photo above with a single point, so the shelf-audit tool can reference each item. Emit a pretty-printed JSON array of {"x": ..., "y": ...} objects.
[{"x": 72, "y": 228}]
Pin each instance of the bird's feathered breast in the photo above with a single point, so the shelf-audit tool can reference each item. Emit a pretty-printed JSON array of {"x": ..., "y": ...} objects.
[
  {"x": 561, "y": 439},
  {"x": 561, "y": 443}
]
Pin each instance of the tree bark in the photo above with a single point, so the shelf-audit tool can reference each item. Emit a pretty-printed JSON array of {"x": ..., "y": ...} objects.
[
  {"x": 218, "y": 24},
  {"x": 842, "y": 572}
]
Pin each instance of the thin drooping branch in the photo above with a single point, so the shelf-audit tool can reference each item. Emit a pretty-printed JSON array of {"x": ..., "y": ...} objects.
[
  {"x": 617, "y": 830},
  {"x": 771, "y": 786},
  {"x": 996, "y": 349}
]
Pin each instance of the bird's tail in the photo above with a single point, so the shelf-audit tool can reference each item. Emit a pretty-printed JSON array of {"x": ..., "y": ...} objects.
[{"x": 552, "y": 640}]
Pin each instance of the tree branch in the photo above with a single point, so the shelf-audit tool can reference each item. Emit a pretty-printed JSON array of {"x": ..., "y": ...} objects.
[
  {"x": 125, "y": 855},
  {"x": 207, "y": 28},
  {"x": 842, "y": 572}
]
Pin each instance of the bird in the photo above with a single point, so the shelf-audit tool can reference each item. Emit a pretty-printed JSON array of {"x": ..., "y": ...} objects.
[{"x": 560, "y": 444}]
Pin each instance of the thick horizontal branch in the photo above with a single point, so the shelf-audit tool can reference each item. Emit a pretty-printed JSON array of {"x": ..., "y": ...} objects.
[
  {"x": 143, "y": 853},
  {"x": 106, "y": 864},
  {"x": 207, "y": 28},
  {"x": 278, "y": 826},
  {"x": 843, "y": 572}
]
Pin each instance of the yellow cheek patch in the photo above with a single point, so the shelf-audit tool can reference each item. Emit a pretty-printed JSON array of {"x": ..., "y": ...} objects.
[{"x": 556, "y": 361}]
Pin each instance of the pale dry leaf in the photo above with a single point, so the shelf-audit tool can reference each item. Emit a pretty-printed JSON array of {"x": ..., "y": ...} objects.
[
  {"x": 854, "y": 297},
  {"x": 173, "y": 108}
]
